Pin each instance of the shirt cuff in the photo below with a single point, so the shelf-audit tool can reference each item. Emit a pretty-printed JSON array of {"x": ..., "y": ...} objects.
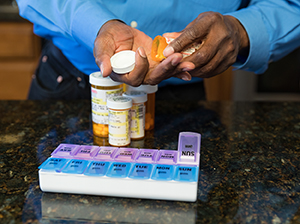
[
  {"x": 87, "y": 22},
  {"x": 259, "y": 48}
]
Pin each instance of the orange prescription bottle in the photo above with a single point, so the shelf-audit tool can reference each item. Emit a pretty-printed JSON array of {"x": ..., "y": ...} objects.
[
  {"x": 119, "y": 118},
  {"x": 160, "y": 43},
  {"x": 138, "y": 111},
  {"x": 101, "y": 89},
  {"x": 150, "y": 104}
]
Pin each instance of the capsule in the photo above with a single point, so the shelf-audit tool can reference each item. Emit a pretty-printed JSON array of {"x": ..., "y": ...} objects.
[{"x": 158, "y": 45}]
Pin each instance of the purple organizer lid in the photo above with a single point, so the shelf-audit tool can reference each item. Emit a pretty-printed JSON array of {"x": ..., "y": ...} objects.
[
  {"x": 146, "y": 156},
  {"x": 85, "y": 151},
  {"x": 126, "y": 154},
  {"x": 106, "y": 153},
  {"x": 167, "y": 157},
  {"x": 65, "y": 150},
  {"x": 189, "y": 148}
]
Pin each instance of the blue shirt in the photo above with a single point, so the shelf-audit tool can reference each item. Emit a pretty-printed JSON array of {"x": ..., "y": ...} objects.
[{"x": 273, "y": 26}]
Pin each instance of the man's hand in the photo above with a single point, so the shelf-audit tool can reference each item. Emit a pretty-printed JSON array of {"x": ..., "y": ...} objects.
[
  {"x": 221, "y": 39},
  {"x": 115, "y": 36}
]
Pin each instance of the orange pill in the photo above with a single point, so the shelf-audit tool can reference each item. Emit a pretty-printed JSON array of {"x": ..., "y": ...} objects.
[
  {"x": 147, "y": 126},
  {"x": 158, "y": 45},
  {"x": 100, "y": 130}
]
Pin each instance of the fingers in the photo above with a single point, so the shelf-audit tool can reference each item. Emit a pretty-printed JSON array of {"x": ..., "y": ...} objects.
[
  {"x": 103, "y": 50},
  {"x": 219, "y": 45},
  {"x": 169, "y": 67},
  {"x": 188, "y": 37},
  {"x": 137, "y": 75},
  {"x": 113, "y": 36}
]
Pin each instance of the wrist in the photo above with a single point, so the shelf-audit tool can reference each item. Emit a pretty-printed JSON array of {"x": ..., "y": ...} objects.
[{"x": 242, "y": 36}]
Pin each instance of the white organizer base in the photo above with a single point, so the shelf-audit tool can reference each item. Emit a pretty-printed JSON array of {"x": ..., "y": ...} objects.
[{"x": 118, "y": 187}]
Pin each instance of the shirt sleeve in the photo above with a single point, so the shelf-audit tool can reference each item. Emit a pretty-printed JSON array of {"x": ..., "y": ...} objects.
[
  {"x": 273, "y": 29},
  {"x": 68, "y": 18}
]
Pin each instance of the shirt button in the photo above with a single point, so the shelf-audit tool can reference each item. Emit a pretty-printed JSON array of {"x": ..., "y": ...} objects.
[{"x": 133, "y": 24}]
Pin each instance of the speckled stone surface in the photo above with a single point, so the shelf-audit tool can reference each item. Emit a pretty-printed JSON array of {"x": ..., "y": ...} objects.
[{"x": 249, "y": 170}]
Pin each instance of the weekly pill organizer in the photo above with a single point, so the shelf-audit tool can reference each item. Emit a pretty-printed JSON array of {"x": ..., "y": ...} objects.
[{"x": 125, "y": 172}]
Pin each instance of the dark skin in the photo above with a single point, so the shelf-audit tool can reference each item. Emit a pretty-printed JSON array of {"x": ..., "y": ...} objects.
[{"x": 221, "y": 39}]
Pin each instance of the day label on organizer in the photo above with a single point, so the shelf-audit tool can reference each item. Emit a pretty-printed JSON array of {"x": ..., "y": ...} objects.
[
  {"x": 163, "y": 172},
  {"x": 105, "y": 153},
  {"x": 85, "y": 151},
  {"x": 75, "y": 166},
  {"x": 141, "y": 171},
  {"x": 125, "y": 154},
  {"x": 65, "y": 150},
  {"x": 147, "y": 155},
  {"x": 97, "y": 168},
  {"x": 167, "y": 157},
  {"x": 53, "y": 164},
  {"x": 185, "y": 173},
  {"x": 99, "y": 108},
  {"x": 188, "y": 148},
  {"x": 118, "y": 169}
]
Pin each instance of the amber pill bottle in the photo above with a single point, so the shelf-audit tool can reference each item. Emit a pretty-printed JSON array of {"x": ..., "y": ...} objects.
[
  {"x": 101, "y": 89},
  {"x": 150, "y": 104},
  {"x": 138, "y": 112}
]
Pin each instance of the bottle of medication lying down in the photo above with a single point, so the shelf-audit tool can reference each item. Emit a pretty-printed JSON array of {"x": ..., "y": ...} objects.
[
  {"x": 119, "y": 119},
  {"x": 138, "y": 112},
  {"x": 101, "y": 89}
]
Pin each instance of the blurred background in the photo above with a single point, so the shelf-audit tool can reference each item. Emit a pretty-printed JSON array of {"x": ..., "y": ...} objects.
[{"x": 20, "y": 51}]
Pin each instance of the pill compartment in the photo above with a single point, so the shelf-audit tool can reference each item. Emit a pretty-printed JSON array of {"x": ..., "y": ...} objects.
[
  {"x": 85, "y": 151},
  {"x": 97, "y": 168},
  {"x": 189, "y": 148},
  {"x": 186, "y": 173},
  {"x": 105, "y": 153},
  {"x": 65, "y": 150},
  {"x": 75, "y": 166},
  {"x": 54, "y": 164},
  {"x": 163, "y": 172},
  {"x": 146, "y": 156},
  {"x": 141, "y": 171},
  {"x": 167, "y": 157},
  {"x": 118, "y": 169},
  {"x": 126, "y": 154}
]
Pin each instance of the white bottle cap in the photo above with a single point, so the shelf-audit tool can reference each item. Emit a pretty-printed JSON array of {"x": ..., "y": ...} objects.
[
  {"x": 136, "y": 96},
  {"x": 123, "y": 62},
  {"x": 145, "y": 88},
  {"x": 97, "y": 79},
  {"x": 119, "y": 102}
]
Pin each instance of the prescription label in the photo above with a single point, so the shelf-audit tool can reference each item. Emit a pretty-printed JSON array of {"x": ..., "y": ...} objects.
[
  {"x": 119, "y": 127},
  {"x": 99, "y": 108}
]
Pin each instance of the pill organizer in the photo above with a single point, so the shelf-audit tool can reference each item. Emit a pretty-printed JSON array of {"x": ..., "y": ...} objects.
[{"x": 125, "y": 172}]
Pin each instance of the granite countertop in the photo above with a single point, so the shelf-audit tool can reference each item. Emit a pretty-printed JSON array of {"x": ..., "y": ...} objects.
[{"x": 249, "y": 172}]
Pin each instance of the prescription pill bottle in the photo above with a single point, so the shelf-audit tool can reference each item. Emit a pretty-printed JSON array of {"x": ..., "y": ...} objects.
[
  {"x": 138, "y": 112},
  {"x": 160, "y": 43},
  {"x": 119, "y": 120},
  {"x": 101, "y": 89},
  {"x": 150, "y": 104}
]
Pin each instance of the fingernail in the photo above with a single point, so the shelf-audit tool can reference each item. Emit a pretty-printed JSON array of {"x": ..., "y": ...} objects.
[
  {"x": 175, "y": 61},
  {"x": 185, "y": 77},
  {"x": 168, "y": 51},
  {"x": 187, "y": 69},
  {"x": 142, "y": 52},
  {"x": 101, "y": 68}
]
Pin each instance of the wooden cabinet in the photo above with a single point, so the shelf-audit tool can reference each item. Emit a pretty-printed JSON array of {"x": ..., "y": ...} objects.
[{"x": 19, "y": 53}]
